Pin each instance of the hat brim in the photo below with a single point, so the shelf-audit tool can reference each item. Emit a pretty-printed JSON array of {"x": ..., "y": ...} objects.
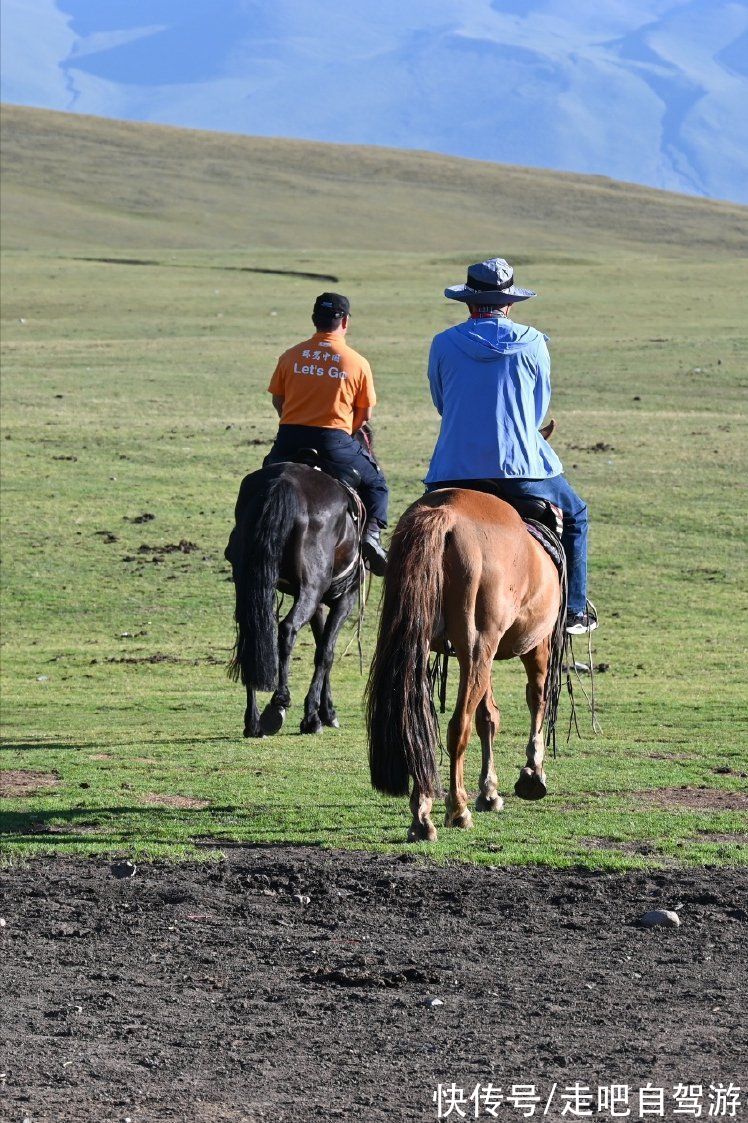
[{"x": 479, "y": 297}]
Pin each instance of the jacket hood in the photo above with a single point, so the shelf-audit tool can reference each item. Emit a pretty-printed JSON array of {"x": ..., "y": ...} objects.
[{"x": 485, "y": 339}]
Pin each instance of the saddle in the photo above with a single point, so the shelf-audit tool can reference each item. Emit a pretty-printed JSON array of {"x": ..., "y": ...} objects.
[{"x": 530, "y": 508}]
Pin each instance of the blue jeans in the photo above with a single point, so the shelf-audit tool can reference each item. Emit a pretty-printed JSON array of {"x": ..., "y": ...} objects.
[
  {"x": 340, "y": 449},
  {"x": 558, "y": 490}
]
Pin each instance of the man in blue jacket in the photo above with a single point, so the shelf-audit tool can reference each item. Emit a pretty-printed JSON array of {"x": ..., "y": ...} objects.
[{"x": 490, "y": 382}]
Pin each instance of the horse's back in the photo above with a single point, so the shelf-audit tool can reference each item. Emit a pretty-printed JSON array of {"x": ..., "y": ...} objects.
[
  {"x": 316, "y": 492},
  {"x": 485, "y": 531}
]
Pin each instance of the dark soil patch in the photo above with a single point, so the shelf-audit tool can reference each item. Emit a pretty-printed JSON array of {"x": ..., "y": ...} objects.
[
  {"x": 21, "y": 782},
  {"x": 599, "y": 446},
  {"x": 188, "y": 801},
  {"x": 157, "y": 553},
  {"x": 41, "y": 826},
  {"x": 156, "y": 657},
  {"x": 146, "y": 517},
  {"x": 700, "y": 799},
  {"x": 216, "y": 991},
  {"x": 180, "y": 547}
]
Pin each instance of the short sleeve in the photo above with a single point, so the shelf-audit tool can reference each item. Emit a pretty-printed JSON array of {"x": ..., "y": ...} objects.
[
  {"x": 278, "y": 382},
  {"x": 365, "y": 395}
]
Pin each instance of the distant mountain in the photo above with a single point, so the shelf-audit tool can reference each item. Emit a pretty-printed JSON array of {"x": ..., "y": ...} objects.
[{"x": 649, "y": 91}]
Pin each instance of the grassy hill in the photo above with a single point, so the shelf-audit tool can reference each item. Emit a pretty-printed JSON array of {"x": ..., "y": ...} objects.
[
  {"x": 83, "y": 182},
  {"x": 140, "y": 390}
]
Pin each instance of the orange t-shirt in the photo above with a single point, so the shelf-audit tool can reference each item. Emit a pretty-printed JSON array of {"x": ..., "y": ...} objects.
[{"x": 321, "y": 382}]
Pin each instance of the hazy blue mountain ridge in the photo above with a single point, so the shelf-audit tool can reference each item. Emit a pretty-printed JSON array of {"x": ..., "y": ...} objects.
[{"x": 652, "y": 91}]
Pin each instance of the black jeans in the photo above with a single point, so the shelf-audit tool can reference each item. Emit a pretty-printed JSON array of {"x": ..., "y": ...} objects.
[{"x": 340, "y": 450}]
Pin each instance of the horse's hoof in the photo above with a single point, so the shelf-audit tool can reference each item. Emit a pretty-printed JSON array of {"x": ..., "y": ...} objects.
[
  {"x": 271, "y": 719},
  {"x": 422, "y": 832},
  {"x": 331, "y": 722},
  {"x": 530, "y": 785},
  {"x": 496, "y": 803},
  {"x": 311, "y": 725},
  {"x": 464, "y": 821}
]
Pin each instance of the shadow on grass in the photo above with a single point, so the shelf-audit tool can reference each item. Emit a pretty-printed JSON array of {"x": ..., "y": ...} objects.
[
  {"x": 125, "y": 746},
  {"x": 30, "y": 746},
  {"x": 107, "y": 826}
]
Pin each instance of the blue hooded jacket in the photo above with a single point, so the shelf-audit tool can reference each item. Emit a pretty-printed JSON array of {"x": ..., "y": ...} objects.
[{"x": 490, "y": 382}]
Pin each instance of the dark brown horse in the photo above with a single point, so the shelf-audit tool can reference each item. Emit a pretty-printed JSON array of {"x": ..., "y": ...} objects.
[
  {"x": 463, "y": 568},
  {"x": 294, "y": 534}
]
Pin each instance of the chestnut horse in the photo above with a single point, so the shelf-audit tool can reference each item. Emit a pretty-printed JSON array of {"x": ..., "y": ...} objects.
[{"x": 463, "y": 568}]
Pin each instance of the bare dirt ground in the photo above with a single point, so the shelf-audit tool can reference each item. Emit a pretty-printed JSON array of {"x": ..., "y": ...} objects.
[{"x": 293, "y": 984}]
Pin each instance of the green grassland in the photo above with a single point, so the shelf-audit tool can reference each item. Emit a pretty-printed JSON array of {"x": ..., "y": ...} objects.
[{"x": 141, "y": 388}]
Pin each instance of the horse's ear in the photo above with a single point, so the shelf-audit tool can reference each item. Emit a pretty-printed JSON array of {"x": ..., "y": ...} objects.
[{"x": 548, "y": 429}]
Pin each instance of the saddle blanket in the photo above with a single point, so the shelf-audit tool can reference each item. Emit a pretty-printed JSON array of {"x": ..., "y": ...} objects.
[{"x": 550, "y": 542}]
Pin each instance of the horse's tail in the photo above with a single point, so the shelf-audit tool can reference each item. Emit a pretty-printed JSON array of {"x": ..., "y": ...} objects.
[
  {"x": 261, "y": 535},
  {"x": 401, "y": 719}
]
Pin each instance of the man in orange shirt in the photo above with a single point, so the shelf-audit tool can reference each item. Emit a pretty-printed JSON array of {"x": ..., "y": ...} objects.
[{"x": 323, "y": 392}]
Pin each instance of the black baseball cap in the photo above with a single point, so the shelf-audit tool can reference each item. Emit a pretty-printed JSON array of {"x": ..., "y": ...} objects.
[{"x": 331, "y": 304}]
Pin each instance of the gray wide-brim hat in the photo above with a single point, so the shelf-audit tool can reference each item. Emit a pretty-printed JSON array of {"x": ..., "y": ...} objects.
[{"x": 489, "y": 282}]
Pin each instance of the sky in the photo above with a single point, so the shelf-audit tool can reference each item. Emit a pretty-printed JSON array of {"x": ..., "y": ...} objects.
[{"x": 648, "y": 91}]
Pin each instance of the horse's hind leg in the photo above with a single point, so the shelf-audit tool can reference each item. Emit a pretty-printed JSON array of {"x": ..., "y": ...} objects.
[
  {"x": 475, "y": 678},
  {"x": 421, "y": 829},
  {"x": 327, "y": 710},
  {"x": 487, "y": 722},
  {"x": 317, "y": 715},
  {"x": 531, "y": 782},
  {"x": 252, "y": 726},
  {"x": 301, "y": 613},
  {"x": 326, "y": 706}
]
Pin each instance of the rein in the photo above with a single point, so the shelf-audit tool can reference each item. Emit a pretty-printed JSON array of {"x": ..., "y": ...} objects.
[{"x": 590, "y": 698}]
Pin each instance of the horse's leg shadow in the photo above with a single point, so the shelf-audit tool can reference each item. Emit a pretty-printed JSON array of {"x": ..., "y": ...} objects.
[
  {"x": 531, "y": 783},
  {"x": 318, "y": 706}
]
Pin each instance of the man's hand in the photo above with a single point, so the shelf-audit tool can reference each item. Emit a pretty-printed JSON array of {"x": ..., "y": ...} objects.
[
  {"x": 548, "y": 429},
  {"x": 359, "y": 417},
  {"x": 278, "y": 404}
]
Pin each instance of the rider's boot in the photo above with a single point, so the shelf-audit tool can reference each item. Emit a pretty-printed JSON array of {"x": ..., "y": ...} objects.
[
  {"x": 581, "y": 623},
  {"x": 373, "y": 550}
]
